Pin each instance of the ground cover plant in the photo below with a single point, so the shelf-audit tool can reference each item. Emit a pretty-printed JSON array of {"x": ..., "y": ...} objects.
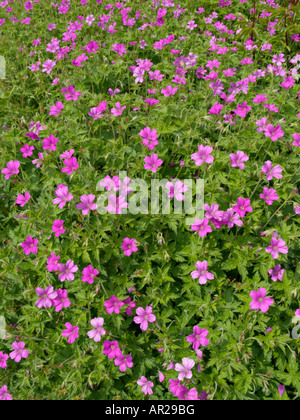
[{"x": 98, "y": 302}]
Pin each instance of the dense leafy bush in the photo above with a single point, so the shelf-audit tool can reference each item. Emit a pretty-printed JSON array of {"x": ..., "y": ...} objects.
[{"x": 205, "y": 90}]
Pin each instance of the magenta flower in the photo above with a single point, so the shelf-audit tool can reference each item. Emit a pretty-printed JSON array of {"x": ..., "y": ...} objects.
[
  {"x": 260, "y": 301},
  {"x": 87, "y": 204},
  {"x": 45, "y": 297},
  {"x": 198, "y": 337},
  {"x": 19, "y": 352},
  {"x": 297, "y": 208},
  {"x": 296, "y": 138},
  {"x": 96, "y": 333},
  {"x": 70, "y": 93},
  {"x": 161, "y": 376},
  {"x": 203, "y": 155},
  {"x": 88, "y": 274},
  {"x": 269, "y": 195},
  {"x": 71, "y": 165},
  {"x": 213, "y": 212},
  {"x": 144, "y": 316},
  {"x": 169, "y": 90},
  {"x": 281, "y": 389},
  {"x": 201, "y": 273},
  {"x": 53, "y": 262},
  {"x": 242, "y": 207},
  {"x": 67, "y": 271},
  {"x": 187, "y": 394},
  {"x": 58, "y": 227},
  {"x": 149, "y": 137},
  {"x": 118, "y": 110},
  {"x": 185, "y": 368},
  {"x": 274, "y": 132},
  {"x": 116, "y": 204},
  {"x": 122, "y": 361},
  {"x": 177, "y": 190},
  {"x": 146, "y": 385},
  {"x": 23, "y": 199},
  {"x": 12, "y": 168},
  {"x": 277, "y": 246},
  {"x": 262, "y": 124},
  {"x": 276, "y": 273},
  {"x": 216, "y": 109},
  {"x": 56, "y": 109},
  {"x": 48, "y": 66},
  {"x": 113, "y": 305},
  {"x": 49, "y": 143},
  {"x": 71, "y": 332},
  {"x": 119, "y": 48},
  {"x": 152, "y": 163},
  {"x": 61, "y": 301},
  {"x": 271, "y": 172},
  {"x": 230, "y": 218},
  {"x": 260, "y": 98},
  {"x": 129, "y": 246},
  {"x": 238, "y": 159},
  {"x": 3, "y": 360},
  {"x": 4, "y": 395},
  {"x": 63, "y": 196},
  {"x": 175, "y": 386},
  {"x": 27, "y": 150},
  {"x": 242, "y": 109},
  {"x": 110, "y": 348},
  {"x": 30, "y": 245},
  {"x": 201, "y": 226}
]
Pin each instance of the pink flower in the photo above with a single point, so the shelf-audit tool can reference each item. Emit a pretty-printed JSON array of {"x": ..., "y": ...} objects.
[
  {"x": 277, "y": 246},
  {"x": 149, "y": 137},
  {"x": 129, "y": 246},
  {"x": 118, "y": 110},
  {"x": 213, "y": 212},
  {"x": 274, "y": 132},
  {"x": 243, "y": 109},
  {"x": 26, "y": 150},
  {"x": 4, "y": 395},
  {"x": 297, "y": 208},
  {"x": 116, "y": 204},
  {"x": 48, "y": 66},
  {"x": 56, "y": 109},
  {"x": 144, "y": 316},
  {"x": 23, "y": 199},
  {"x": 260, "y": 301},
  {"x": 53, "y": 262},
  {"x": 122, "y": 361},
  {"x": 296, "y": 138},
  {"x": 272, "y": 172},
  {"x": 19, "y": 352},
  {"x": 113, "y": 305},
  {"x": 67, "y": 271},
  {"x": 198, "y": 338},
  {"x": 71, "y": 332},
  {"x": 152, "y": 163},
  {"x": 88, "y": 274},
  {"x": 71, "y": 165},
  {"x": 110, "y": 348},
  {"x": 201, "y": 226},
  {"x": 269, "y": 195},
  {"x": 230, "y": 218},
  {"x": 119, "y": 48},
  {"x": 262, "y": 124},
  {"x": 177, "y": 190},
  {"x": 30, "y": 245},
  {"x": 58, "y": 227},
  {"x": 242, "y": 207},
  {"x": 146, "y": 385},
  {"x": 238, "y": 159},
  {"x": 3, "y": 359},
  {"x": 185, "y": 368},
  {"x": 276, "y": 273},
  {"x": 169, "y": 90},
  {"x": 201, "y": 273},
  {"x": 61, "y": 301},
  {"x": 46, "y": 297},
  {"x": 187, "y": 394},
  {"x": 161, "y": 376},
  {"x": 260, "y": 98},
  {"x": 203, "y": 155},
  {"x": 96, "y": 333},
  {"x": 63, "y": 196},
  {"x": 49, "y": 143},
  {"x": 12, "y": 168},
  {"x": 281, "y": 390},
  {"x": 87, "y": 204}
]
